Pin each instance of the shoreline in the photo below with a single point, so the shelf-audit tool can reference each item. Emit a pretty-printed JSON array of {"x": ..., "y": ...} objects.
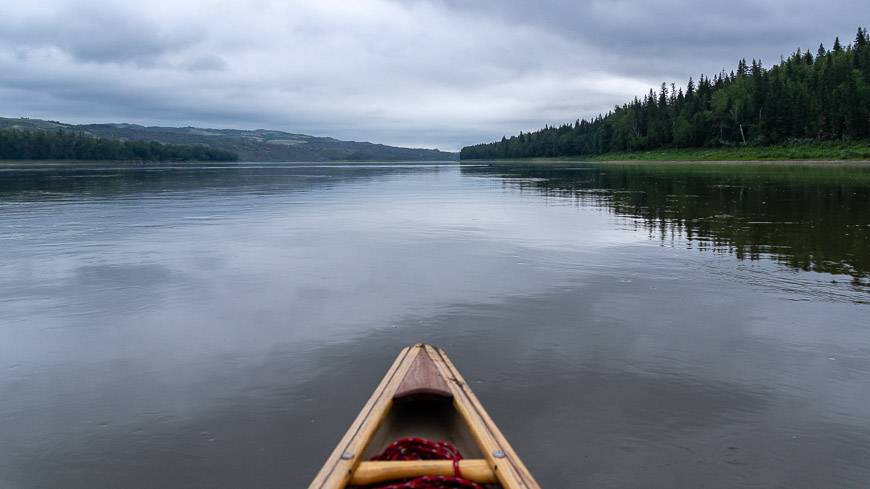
[
  {"x": 772, "y": 162},
  {"x": 194, "y": 162},
  {"x": 819, "y": 152}
]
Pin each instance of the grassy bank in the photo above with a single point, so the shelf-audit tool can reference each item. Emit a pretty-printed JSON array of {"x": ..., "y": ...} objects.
[
  {"x": 731, "y": 173},
  {"x": 819, "y": 151}
]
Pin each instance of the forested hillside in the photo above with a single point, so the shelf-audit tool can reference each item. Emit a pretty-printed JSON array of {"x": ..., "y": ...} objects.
[
  {"x": 39, "y": 144},
  {"x": 821, "y": 95},
  {"x": 249, "y": 145}
]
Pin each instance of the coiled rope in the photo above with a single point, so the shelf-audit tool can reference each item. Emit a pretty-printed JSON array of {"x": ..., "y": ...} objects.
[{"x": 413, "y": 448}]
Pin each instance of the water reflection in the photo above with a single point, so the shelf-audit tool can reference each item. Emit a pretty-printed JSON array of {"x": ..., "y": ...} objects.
[
  {"x": 220, "y": 326},
  {"x": 39, "y": 182},
  {"x": 807, "y": 217}
]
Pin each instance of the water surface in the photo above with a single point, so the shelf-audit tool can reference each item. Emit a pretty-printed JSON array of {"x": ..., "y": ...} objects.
[{"x": 219, "y": 326}]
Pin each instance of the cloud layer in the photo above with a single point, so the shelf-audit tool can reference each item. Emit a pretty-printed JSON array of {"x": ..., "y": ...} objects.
[{"x": 416, "y": 72}]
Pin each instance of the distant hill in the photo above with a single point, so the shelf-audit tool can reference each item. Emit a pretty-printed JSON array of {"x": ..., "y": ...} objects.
[{"x": 255, "y": 145}]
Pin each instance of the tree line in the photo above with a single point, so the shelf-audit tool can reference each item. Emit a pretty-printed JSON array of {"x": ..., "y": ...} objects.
[
  {"x": 64, "y": 145},
  {"x": 806, "y": 97}
]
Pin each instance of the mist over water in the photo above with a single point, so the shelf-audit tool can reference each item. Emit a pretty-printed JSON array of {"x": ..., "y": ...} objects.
[{"x": 626, "y": 326}]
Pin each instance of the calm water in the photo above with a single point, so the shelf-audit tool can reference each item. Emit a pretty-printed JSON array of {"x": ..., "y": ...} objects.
[{"x": 219, "y": 326}]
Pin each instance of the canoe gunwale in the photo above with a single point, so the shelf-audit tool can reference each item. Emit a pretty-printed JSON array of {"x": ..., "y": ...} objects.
[
  {"x": 506, "y": 464},
  {"x": 338, "y": 468}
]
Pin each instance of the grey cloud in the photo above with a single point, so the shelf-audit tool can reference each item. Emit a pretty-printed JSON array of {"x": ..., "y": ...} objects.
[
  {"x": 680, "y": 35},
  {"x": 417, "y": 72},
  {"x": 101, "y": 32},
  {"x": 208, "y": 62}
]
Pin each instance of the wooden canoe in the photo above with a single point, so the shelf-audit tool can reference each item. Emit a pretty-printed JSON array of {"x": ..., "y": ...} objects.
[{"x": 423, "y": 395}]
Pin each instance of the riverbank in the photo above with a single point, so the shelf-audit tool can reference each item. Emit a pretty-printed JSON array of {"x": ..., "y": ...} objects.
[
  {"x": 814, "y": 153},
  {"x": 158, "y": 163}
]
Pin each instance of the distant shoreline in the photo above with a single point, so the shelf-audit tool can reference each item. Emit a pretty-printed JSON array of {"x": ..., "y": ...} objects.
[
  {"x": 233, "y": 144},
  {"x": 782, "y": 162},
  {"x": 818, "y": 153},
  {"x": 223, "y": 162}
]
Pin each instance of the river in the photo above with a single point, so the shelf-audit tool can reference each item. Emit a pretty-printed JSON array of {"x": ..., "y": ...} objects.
[{"x": 627, "y": 326}]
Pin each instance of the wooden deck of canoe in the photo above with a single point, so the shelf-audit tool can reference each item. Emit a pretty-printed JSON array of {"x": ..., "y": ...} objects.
[{"x": 423, "y": 395}]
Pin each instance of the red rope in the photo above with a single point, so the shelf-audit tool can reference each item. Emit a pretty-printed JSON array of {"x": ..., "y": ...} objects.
[{"x": 413, "y": 448}]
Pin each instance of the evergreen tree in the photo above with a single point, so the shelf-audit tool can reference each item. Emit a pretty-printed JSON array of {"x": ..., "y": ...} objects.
[
  {"x": 802, "y": 97},
  {"x": 63, "y": 145}
]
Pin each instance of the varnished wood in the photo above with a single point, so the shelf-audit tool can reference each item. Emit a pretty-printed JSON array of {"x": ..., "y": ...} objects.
[
  {"x": 423, "y": 379},
  {"x": 510, "y": 470},
  {"x": 423, "y": 369},
  {"x": 338, "y": 468},
  {"x": 368, "y": 473}
]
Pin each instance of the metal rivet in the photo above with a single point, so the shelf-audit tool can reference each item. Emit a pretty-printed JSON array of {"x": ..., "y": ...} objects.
[
  {"x": 346, "y": 456},
  {"x": 498, "y": 454}
]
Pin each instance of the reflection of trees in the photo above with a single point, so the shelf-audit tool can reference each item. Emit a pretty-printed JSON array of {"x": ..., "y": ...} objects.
[{"x": 808, "y": 218}]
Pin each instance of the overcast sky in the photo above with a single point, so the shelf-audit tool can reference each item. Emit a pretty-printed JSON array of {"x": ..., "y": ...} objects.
[{"x": 414, "y": 72}]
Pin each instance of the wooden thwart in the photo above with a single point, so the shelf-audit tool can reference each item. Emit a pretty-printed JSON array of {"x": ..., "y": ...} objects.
[
  {"x": 372, "y": 472},
  {"x": 423, "y": 370}
]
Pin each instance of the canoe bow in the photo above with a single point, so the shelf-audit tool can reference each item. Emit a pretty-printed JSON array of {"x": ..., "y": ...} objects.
[{"x": 423, "y": 371}]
